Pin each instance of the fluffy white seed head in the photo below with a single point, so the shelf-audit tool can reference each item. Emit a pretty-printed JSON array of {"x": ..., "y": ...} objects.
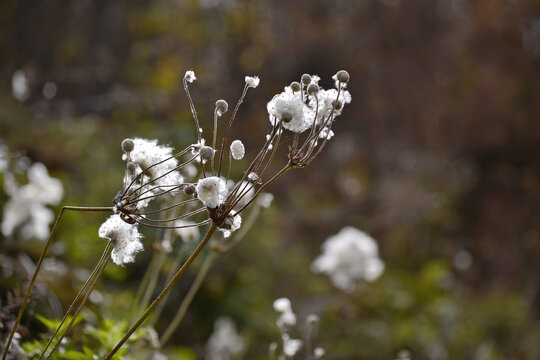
[
  {"x": 125, "y": 237},
  {"x": 212, "y": 191},
  {"x": 252, "y": 81},
  {"x": 159, "y": 164},
  {"x": 190, "y": 76},
  {"x": 231, "y": 223},
  {"x": 289, "y": 107},
  {"x": 237, "y": 150}
]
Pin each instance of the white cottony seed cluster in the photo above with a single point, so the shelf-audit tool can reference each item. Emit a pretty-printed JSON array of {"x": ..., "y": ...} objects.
[
  {"x": 125, "y": 238},
  {"x": 210, "y": 195},
  {"x": 322, "y": 107},
  {"x": 348, "y": 256},
  {"x": 158, "y": 164},
  {"x": 212, "y": 191}
]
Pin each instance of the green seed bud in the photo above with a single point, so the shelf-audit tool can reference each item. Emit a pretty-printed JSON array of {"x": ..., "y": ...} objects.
[
  {"x": 337, "y": 104},
  {"x": 343, "y": 76},
  {"x": 207, "y": 153},
  {"x": 286, "y": 116},
  {"x": 295, "y": 86},
  {"x": 306, "y": 79},
  {"x": 131, "y": 166},
  {"x": 222, "y": 106},
  {"x": 313, "y": 89},
  {"x": 189, "y": 190},
  {"x": 128, "y": 145}
]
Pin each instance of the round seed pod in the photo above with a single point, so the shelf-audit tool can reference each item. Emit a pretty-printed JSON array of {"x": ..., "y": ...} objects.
[
  {"x": 222, "y": 106},
  {"x": 128, "y": 145},
  {"x": 295, "y": 86},
  {"x": 131, "y": 166},
  {"x": 313, "y": 89},
  {"x": 286, "y": 116},
  {"x": 343, "y": 76},
  {"x": 337, "y": 104},
  {"x": 206, "y": 153},
  {"x": 306, "y": 79},
  {"x": 189, "y": 190}
]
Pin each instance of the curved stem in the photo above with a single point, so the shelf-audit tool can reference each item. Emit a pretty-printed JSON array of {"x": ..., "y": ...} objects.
[
  {"x": 186, "y": 301},
  {"x": 165, "y": 291},
  {"x": 83, "y": 302},
  {"x": 38, "y": 266},
  {"x": 77, "y": 297}
]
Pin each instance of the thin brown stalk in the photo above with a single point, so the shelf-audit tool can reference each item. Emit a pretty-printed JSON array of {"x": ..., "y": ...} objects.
[
  {"x": 186, "y": 301},
  {"x": 165, "y": 291},
  {"x": 77, "y": 297},
  {"x": 81, "y": 306},
  {"x": 38, "y": 266}
]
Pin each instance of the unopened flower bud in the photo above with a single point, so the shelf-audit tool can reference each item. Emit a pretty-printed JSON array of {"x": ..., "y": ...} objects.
[
  {"x": 337, "y": 104},
  {"x": 222, "y": 106},
  {"x": 295, "y": 86},
  {"x": 128, "y": 145},
  {"x": 343, "y": 76},
  {"x": 306, "y": 79},
  {"x": 286, "y": 116},
  {"x": 313, "y": 89},
  {"x": 206, "y": 153},
  {"x": 131, "y": 166},
  {"x": 189, "y": 190}
]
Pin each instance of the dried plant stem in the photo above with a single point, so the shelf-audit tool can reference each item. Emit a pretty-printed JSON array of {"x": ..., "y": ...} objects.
[
  {"x": 153, "y": 276},
  {"x": 186, "y": 301},
  {"x": 203, "y": 271},
  {"x": 177, "y": 262},
  {"x": 77, "y": 297},
  {"x": 102, "y": 267},
  {"x": 38, "y": 266},
  {"x": 165, "y": 291}
]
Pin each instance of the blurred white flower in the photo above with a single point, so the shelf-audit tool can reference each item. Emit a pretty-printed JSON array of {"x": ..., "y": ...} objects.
[
  {"x": 290, "y": 346},
  {"x": 348, "y": 256},
  {"x": 187, "y": 230},
  {"x": 125, "y": 237},
  {"x": 19, "y": 85},
  {"x": 27, "y": 204},
  {"x": 224, "y": 343},
  {"x": 287, "y": 318}
]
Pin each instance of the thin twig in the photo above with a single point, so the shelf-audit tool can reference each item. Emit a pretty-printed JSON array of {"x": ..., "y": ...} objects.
[
  {"x": 165, "y": 291},
  {"x": 38, "y": 266}
]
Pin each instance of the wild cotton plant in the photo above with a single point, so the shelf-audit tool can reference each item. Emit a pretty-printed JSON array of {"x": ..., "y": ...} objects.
[{"x": 162, "y": 191}]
